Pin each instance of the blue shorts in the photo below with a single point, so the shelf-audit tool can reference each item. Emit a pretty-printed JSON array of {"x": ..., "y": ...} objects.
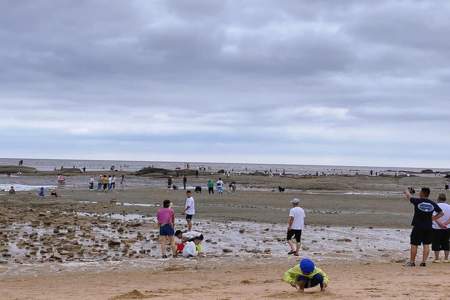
[
  {"x": 166, "y": 230},
  {"x": 311, "y": 282}
]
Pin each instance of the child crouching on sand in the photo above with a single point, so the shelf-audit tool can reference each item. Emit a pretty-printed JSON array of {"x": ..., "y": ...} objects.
[
  {"x": 180, "y": 241},
  {"x": 306, "y": 275},
  {"x": 193, "y": 247}
]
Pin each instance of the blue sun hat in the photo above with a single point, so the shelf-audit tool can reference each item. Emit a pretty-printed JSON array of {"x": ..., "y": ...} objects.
[{"x": 307, "y": 266}]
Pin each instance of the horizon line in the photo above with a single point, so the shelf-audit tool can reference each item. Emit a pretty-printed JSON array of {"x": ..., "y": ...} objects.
[{"x": 215, "y": 162}]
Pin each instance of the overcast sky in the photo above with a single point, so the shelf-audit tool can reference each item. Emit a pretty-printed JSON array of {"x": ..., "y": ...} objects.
[{"x": 307, "y": 82}]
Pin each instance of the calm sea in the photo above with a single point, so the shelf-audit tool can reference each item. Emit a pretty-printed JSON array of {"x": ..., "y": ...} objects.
[{"x": 98, "y": 165}]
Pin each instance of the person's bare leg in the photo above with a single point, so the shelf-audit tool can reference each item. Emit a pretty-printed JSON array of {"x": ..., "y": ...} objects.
[
  {"x": 436, "y": 255},
  {"x": 189, "y": 225},
  {"x": 297, "y": 248},
  {"x": 446, "y": 254},
  {"x": 426, "y": 253},
  {"x": 413, "y": 253},
  {"x": 173, "y": 246},
  {"x": 291, "y": 244},
  {"x": 162, "y": 241},
  {"x": 301, "y": 286}
]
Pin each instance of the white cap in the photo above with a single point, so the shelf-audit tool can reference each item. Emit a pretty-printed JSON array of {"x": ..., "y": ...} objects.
[{"x": 295, "y": 201}]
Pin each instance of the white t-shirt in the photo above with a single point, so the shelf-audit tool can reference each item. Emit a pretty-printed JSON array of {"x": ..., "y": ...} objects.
[
  {"x": 299, "y": 218},
  {"x": 446, "y": 210},
  {"x": 191, "y": 204},
  {"x": 189, "y": 250},
  {"x": 219, "y": 183}
]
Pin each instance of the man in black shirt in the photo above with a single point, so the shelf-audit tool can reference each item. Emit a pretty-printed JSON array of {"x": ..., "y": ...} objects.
[{"x": 422, "y": 224}]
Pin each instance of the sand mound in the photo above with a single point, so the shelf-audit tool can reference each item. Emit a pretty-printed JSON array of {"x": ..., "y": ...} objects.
[{"x": 134, "y": 294}]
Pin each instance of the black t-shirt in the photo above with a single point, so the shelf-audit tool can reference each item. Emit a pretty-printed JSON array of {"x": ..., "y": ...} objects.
[{"x": 423, "y": 212}]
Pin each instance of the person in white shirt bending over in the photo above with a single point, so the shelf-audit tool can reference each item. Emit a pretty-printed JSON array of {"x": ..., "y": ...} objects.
[
  {"x": 441, "y": 231},
  {"x": 189, "y": 209},
  {"x": 296, "y": 223}
]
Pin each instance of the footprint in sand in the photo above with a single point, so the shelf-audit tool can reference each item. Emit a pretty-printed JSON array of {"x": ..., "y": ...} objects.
[{"x": 134, "y": 294}]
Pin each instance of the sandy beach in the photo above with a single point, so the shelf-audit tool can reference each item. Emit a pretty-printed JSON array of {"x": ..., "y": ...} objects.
[{"x": 94, "y": 245}]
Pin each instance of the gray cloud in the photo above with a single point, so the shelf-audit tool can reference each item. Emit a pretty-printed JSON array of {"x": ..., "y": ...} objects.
[{"x": 293, "y": 72}]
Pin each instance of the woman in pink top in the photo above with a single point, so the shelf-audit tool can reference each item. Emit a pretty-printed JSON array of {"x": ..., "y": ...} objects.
[{"x": 166, "y": 222}]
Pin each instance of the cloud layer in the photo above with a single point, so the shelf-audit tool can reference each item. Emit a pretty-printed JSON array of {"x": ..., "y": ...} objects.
[{"x": 323, "y": 82}]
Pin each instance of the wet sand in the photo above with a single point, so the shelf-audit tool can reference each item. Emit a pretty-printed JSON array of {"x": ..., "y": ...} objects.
[
  {"x": 94, "y": 245},
  {"x": 233, "y": 281}
]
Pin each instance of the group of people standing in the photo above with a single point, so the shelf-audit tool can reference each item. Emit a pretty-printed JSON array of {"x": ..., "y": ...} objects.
[
  {"x": 105, "y": 182},
  {"x": 431, "y": 226},
  {"x": 187, "y": 244},
  {"x": 213, "y": 186}
]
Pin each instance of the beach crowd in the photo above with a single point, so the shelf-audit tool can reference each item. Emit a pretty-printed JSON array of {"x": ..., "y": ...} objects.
[{"x": 430, "y": 227}]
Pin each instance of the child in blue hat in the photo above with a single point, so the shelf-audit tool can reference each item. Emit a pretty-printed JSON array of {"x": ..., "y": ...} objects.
[{"x": 306, "y": 275}]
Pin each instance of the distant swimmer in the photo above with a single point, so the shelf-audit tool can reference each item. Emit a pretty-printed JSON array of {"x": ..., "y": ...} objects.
[
  {"x": 296, "y": 223},
  {"x": 306, "y": 275},
  {"x": 422, "y": 223}
]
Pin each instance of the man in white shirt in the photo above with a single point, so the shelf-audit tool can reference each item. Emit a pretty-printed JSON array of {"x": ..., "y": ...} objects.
[
  {"x": 296, "y": 223},
  {"x": 189, "y": 209},
  {"x": 441, "y": 231}
]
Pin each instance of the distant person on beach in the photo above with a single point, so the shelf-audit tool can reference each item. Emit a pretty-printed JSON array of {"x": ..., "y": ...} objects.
[
  {"x": 41, "y": 192},
  {"x": 61, "y": 179},
  {"x": 100, "y": 182},
  {"x": 306, "y": 275},
  {"x": 91, "y": 183},
  {"x": 233, "y": 186},
  {"x": 105, "y": 182},
  {"x": 109, "y": 182},
  {"x": 422, "y": 223},
  {"x": 166, "y": 222},
  {"x": 122, "y": 180},
  {"x": 219, "y": 186},
  {"x": 21, "y": 162},
  {"x": 210, "y": 187},
  {"x": 169, "y": 182},
  {"x": 441, "y": 230},
  {"x": 184, "y": 182},
  {"x": 12, "y": 191},
  {"x": 189, "y": 209},
  {"x": 296, "y": 223},
  {"x": 113, "y": 182}
]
